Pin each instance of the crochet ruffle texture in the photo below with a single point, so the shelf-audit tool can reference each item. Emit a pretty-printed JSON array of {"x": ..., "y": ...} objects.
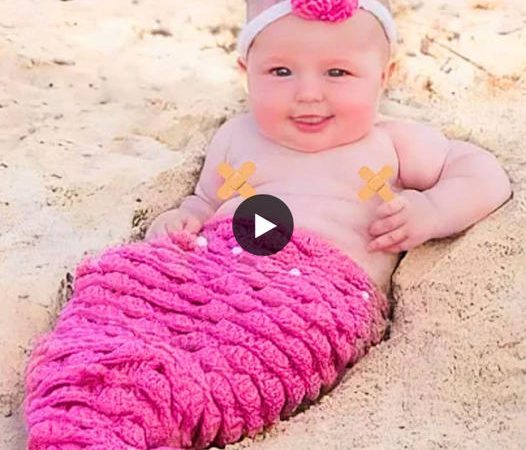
[{"x": 170, "y": 344}]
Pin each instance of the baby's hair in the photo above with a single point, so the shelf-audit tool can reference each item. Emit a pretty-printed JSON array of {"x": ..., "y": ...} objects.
[{"x": 254, "y": 7}]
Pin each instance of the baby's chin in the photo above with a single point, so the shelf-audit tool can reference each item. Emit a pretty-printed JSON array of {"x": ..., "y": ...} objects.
[
  {"x": 315, "y": 142},
  {"x": 309, "y": 145}
]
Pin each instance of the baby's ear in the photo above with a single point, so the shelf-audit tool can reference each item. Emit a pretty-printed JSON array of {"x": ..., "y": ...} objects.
[
  {"x": 388, "y": 71},
  {"x": 242, "y": 64}
]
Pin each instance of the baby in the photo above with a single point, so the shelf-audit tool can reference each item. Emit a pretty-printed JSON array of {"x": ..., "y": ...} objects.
[{"x": 315, "y": 74}]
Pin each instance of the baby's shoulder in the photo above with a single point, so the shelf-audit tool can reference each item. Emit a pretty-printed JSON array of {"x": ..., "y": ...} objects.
[
  {"x": 224, "y": 135},
  {"x": 421, "y": 150},
  {"x": 405, "y": 133},
  {"x": 233, "y": 128},
  {"x": 237, "y": 122}
]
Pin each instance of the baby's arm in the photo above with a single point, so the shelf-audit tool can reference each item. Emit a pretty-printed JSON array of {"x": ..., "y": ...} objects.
[
  {"x": 204, "y": 201},
  {"x": 464, "y": 182},
  {"x": 197, "y": 208},
  {"x": 448, "y": 185}
]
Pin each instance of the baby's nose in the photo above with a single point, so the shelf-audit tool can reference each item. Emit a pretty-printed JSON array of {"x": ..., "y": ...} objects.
[{"x": 309, "y": 89}]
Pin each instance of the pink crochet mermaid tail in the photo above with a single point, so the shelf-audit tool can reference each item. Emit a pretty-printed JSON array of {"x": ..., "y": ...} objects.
[{"x": 167, "y": 344}]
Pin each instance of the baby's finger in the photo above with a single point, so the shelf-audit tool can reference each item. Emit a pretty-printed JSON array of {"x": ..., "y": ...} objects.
[
  {"x": 149, "y": 236},
  {"x": 391, "y": 207},
  {"x": 385, "y": 225},
  {"x": 389, "y": 239},
  {"x": 400, "y": 247},
  {"x": 173, "y": 227},
  {"x": 192, "y": 225},
  {"x": 152, "y": 234}
]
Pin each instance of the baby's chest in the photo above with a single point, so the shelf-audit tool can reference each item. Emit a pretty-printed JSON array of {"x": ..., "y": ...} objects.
[{"x": 341, "y": 173}]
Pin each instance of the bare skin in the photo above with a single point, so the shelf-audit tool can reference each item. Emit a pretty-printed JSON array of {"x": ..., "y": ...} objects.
[
  {"x": 442, "y": 186},
  {"x": 321, "y": 189}
]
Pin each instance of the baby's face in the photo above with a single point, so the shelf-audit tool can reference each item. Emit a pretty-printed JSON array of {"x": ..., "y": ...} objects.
[{"x": 297, "y": 67}]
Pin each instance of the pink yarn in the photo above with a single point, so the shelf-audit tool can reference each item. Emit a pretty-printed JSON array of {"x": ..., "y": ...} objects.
[
  {"x": 327, "y": 10},
  {"x": 166, "y": 344}
]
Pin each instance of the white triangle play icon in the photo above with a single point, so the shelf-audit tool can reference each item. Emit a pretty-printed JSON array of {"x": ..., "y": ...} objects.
[{"x": 262, "y": 225}]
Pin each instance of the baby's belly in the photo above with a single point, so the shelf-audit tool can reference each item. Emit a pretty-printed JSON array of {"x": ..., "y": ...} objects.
[{"x": 341, "y": 222}]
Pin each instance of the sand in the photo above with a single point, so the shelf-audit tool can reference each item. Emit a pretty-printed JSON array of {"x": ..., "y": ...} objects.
[{"x": 105, "y": 111}]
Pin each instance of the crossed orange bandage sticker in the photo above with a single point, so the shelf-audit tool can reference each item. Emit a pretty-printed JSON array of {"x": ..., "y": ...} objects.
[
  {"x": 236, "y": 180},
  {"x": 376, "y": 183}
]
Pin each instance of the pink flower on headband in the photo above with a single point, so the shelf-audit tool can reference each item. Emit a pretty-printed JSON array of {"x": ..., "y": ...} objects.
[{"x": 328, "y": 10}]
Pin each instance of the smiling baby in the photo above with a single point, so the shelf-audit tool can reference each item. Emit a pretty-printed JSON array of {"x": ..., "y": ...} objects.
[{"x": 315, "y": 73}]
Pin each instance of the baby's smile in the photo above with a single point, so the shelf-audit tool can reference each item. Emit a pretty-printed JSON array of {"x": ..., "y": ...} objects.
[{"x": 311, "y": 124}]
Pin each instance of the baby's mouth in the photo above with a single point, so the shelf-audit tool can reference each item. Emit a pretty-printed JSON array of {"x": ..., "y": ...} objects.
[{"x": 310, "y": 119}]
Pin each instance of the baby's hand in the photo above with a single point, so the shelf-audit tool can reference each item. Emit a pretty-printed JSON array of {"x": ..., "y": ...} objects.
[
  {"x": 172, "y": 221},
  {"x": 403, "y": 223}
]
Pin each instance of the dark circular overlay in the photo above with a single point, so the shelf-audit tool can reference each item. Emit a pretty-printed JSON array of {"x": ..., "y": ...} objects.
[{"x": 269, "y": 208}]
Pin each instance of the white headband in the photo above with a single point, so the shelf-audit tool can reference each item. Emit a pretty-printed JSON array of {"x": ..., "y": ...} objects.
[{"x": 282, "y": 8}]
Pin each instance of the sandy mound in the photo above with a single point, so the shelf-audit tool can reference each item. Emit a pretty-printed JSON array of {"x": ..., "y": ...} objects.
[{"x": 105, "y": 111}]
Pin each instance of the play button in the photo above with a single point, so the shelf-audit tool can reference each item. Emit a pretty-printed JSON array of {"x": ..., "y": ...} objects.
[{"x": 263, "y": 225}]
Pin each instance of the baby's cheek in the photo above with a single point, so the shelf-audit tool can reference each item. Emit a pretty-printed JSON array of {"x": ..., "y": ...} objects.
[
  {"x": 268, "y": 114},
  {"x": 268, "y": 100},
  {"x": 270, "y": 110},
  {"x": 363, "y": 113},
  {"x": 358, "y": 106}
]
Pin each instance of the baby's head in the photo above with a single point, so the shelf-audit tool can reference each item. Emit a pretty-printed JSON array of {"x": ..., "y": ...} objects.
[{"x": 297, "y": 67}]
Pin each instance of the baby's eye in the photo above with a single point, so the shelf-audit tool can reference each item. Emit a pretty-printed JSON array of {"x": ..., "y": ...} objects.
[
  {"x": 341, "y": 72},
  {"x": 280, "y": 71}
]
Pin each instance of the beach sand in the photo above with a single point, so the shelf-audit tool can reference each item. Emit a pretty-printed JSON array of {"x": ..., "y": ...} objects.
[{"x": 105, "y": 111}]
